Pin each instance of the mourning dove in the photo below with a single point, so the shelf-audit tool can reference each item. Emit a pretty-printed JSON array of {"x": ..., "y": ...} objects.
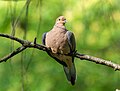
[{"x": 62, "y": 42}]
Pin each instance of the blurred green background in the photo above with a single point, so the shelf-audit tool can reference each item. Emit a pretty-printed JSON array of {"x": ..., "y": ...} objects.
[{"x": 96, "y": 25}]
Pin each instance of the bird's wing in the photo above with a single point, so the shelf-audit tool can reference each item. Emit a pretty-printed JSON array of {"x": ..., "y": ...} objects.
[
  {"x": 71, "y": 41},
  {"x": 71, "y": 72},
  {"x": 43, "y": 38}
]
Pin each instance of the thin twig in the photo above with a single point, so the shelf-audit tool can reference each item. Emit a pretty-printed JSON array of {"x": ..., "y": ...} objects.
[
  {"x": 27, "y": 44},
  {"x": 18, "y": 50},
  {"x": 21, "y": 12}
]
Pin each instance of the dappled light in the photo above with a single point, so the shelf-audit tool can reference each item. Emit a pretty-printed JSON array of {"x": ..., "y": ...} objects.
[{"x": 96, "y": 26}]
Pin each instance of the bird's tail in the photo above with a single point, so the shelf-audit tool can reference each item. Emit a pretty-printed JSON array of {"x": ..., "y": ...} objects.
[{"x": 70, "y": 73}]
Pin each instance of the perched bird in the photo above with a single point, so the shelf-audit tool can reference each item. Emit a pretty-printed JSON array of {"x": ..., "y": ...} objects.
[{"x": 62, "y": 43}]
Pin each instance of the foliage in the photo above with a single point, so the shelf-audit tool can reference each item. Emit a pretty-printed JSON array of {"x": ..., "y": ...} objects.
[{"x": 95, "y": 24}]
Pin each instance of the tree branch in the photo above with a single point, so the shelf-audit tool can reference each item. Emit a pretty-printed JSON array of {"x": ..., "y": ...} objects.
[
  {"x": 13, "y": 38},
  {"x": 98, "y": 61},
  {"x": 27, "y": 44}
]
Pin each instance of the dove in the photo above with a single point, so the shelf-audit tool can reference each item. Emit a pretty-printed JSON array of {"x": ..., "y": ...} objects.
[{"x": 62, "y": 43}]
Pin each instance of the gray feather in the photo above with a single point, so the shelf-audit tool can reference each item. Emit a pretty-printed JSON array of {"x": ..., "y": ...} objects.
[
  {"x": 43, "y": 38},
  {"x": 71, "y": 41}
]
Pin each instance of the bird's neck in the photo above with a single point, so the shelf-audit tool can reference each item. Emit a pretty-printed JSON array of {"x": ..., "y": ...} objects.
[{"x": 60, "y": 26}]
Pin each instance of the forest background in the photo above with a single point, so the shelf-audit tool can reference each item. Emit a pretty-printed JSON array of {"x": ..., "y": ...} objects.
[{"x": 96, "y": 25}]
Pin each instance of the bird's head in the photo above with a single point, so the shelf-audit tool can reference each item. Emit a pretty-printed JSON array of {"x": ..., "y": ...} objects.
[{"x": 61, "y": 20}]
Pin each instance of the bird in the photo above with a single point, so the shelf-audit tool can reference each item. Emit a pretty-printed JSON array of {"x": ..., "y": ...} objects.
[{"x": 62, "y": 43}]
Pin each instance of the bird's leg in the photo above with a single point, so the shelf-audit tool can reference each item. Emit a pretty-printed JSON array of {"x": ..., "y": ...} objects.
[
  {"x": 48, "y": 49},
  {"x": 73, "y": 53}
]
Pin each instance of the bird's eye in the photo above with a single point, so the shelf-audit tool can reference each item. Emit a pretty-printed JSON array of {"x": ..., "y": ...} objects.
[{"x": 59, "y": 19}]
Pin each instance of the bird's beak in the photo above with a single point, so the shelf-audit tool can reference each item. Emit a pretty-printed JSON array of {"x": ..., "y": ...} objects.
[{"x": 65, "y": 21}]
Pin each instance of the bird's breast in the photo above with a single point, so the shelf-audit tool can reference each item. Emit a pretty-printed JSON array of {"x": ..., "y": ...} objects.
[{"x": 57, "y": 41}]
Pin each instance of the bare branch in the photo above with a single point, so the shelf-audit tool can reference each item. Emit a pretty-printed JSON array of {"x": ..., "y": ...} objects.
[
  {"x": 12, "y": 37},
  {"x": 27, "y": 44},
  {"x": 98, "y": 61}
]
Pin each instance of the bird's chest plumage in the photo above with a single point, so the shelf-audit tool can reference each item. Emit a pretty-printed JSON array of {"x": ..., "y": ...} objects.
[{"x": 56, "y": 39}]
